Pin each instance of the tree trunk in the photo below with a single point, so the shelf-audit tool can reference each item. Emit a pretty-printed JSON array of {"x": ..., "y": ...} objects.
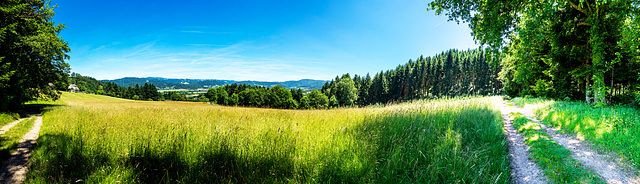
[
  {"x": 611, "y": 94},
  {"x": 586, "y": 92}
]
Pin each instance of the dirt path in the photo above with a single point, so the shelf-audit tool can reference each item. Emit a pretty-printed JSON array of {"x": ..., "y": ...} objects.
[
  {"x": 15, "y": 168},
  {"x": 523, "y": 170},
  {"x": 10, "y": 125},
  {"x": 609, "y": 168}
]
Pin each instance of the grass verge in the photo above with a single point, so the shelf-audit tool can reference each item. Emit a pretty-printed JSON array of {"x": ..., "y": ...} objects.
[
  {"x": 614, "y": 128},
  {"x": 99, "y": 140},
  {"x": 6, "y": 118},
  {"x": 10, "y": 139},
  {"x": 554, "y": 159}
]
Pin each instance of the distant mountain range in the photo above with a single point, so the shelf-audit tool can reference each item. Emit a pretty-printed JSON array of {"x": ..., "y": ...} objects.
[{"x": 167, "y": 83}]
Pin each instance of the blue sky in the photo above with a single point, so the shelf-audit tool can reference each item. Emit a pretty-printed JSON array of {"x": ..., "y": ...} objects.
[{"x": 251, "y": 40}]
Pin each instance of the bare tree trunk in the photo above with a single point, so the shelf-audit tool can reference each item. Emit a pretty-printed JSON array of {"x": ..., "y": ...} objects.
[
  {"x": 586, "y": 92},
  {"x": 611, "y": 94}
]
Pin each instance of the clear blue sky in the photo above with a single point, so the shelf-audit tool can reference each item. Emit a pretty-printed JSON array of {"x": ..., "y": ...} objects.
[{"x": 251, "y": 40}]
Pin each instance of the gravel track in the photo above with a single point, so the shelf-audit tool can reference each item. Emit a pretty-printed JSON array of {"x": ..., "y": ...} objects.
[
  {"x": 610, "y": 168},
  {"x": 523, "y": 169},
  {"x": 15, "y": 169},
  {"x": 10, "y": 125}
]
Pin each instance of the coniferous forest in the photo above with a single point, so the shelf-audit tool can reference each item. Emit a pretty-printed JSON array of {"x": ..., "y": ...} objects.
[{"x": 448, "y": 74}]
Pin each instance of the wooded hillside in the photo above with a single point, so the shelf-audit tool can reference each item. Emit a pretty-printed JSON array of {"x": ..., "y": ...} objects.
[{"x": 450, "y": 73}]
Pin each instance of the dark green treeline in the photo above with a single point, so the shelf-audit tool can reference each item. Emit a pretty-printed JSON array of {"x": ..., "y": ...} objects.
[
  {"x": 90, "y": 85},
  {"x": 260, "y": 96},
  {"x": 451, "y": 73}
]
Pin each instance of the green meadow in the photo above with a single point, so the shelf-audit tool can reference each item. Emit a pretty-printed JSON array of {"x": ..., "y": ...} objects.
[{"x": 98, "y": 139}]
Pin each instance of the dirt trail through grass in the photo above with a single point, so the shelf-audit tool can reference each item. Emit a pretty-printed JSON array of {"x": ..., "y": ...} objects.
[
  {"x": 14, "y": 170},
  {"x": 607, "y": 166},
  {"x": 523, "y": 170},
  {"x": 10, "y": 125}
]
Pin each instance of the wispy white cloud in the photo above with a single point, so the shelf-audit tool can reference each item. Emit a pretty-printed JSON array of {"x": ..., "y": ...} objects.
[
  {"x": 192, "y": 32},
  {"x": 141, "y": 49},
  {"x": 236, "y": 62},
  {"x": 438, "y": 24},
  {"x": 99, "y": 48},
  {"x": 205, "y": 45},
  {"x": 206, "y": 32}
]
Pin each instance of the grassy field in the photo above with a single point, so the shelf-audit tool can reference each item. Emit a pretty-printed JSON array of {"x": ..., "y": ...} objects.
[
  {"x": 168, "y": 90},
  {"x": 554, "y": 159},
  {"x": 97, "y": 139},
  {"x": 187, "y": 92},
  {"x": 610, "y": 128}
]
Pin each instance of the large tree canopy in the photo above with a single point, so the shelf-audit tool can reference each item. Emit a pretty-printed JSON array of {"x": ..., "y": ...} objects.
[
  {"x": 31, "y": 53},
  {"x": 557, "y": 48},
  {"x": 347, "y": 93}
]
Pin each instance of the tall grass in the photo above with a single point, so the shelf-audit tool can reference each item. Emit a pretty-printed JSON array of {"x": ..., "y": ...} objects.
[
  {"x": 6, "y": 118},
  {"x": 615, "y": 128},
  {"x": 34, "y": 106},
  {"x": 100, "y": 140},
  {"x": 554, "y": 159}
]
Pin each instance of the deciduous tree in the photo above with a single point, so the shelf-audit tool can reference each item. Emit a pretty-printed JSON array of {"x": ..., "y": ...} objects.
[
  {"x": 346, "y": 93},
  {"x": 32, "y": 55},
  {"x": 575, "y": 45}
]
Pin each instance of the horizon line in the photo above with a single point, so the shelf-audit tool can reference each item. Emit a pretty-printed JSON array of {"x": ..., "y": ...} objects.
[{"x": 207, "y": 79}]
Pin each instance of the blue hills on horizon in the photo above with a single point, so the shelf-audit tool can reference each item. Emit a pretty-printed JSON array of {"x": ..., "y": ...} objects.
[{"x": 172, "y": 83}]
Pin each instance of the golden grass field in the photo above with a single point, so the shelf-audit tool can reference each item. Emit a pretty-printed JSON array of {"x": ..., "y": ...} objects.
[{"x": 99, "y": 139}]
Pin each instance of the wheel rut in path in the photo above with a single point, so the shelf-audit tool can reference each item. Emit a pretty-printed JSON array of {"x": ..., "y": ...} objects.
[
  {"x": 523, "y": 169},
  {"x": 14, "y": 170},
  {"x": 610, "y": 168},
  {"x": 10, "y": 125}
]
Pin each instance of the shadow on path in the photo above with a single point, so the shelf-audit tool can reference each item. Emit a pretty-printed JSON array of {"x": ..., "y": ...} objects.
[{"x": 15, "y": 168}]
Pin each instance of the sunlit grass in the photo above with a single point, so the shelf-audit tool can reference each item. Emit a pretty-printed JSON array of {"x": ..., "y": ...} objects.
[
  {"x": 106, "y": 140},
  {"x": 555, "y": 160},
  {"x": 10, "y": 139},
  {"x": 615, "y": 128},
  {"x": 6, "y": 118}
]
